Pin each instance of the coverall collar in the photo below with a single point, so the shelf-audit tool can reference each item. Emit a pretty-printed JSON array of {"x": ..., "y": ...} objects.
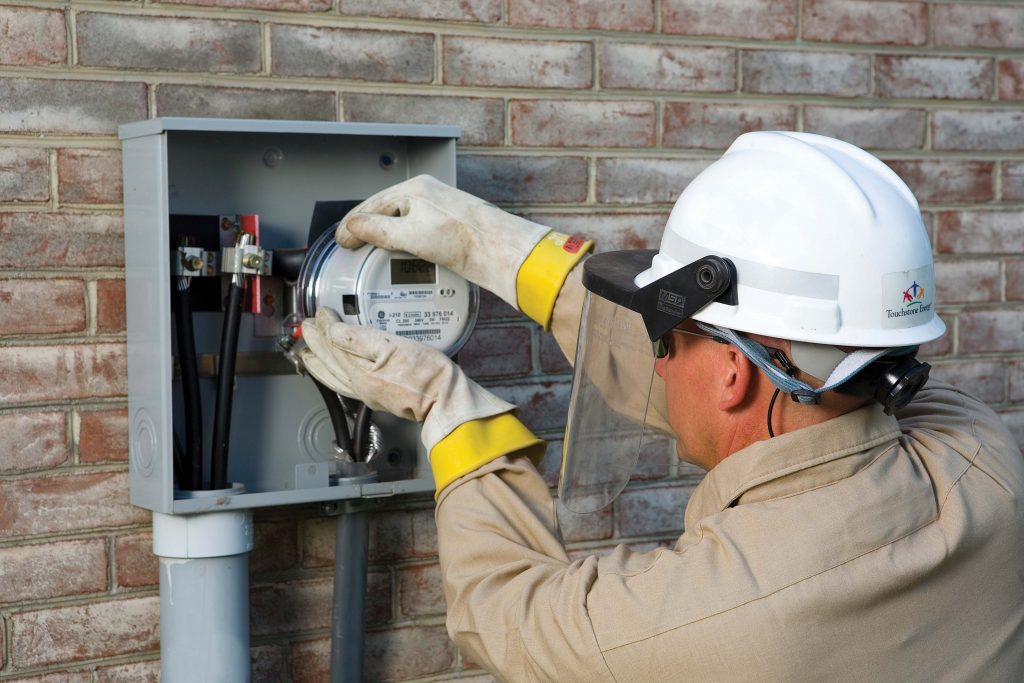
[{"x": 791, "y": 463}]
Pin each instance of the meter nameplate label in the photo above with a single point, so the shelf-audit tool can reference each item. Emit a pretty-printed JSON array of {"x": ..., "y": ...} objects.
[
  {"x": 400, "y": 295},
  {"x": 414, "y": 321}
]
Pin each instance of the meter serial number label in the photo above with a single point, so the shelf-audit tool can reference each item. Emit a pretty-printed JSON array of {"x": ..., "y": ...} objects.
[
  {"x": 423, "y": 325},
  {"x": 401, "y": 295}
]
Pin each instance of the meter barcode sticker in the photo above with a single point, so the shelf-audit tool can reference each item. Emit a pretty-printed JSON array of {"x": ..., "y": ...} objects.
[{"x": 420, "y": 335}]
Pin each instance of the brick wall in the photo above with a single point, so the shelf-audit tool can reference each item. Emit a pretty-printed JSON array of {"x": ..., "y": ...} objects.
[{"x": 589, "y": 116}]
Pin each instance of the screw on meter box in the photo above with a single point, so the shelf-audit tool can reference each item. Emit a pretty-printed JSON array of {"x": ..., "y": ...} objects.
[{"x": 392, "y": 291}]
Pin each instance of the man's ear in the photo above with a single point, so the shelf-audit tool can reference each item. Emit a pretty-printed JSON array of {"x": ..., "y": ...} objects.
[{"x": 737, "y": 379}]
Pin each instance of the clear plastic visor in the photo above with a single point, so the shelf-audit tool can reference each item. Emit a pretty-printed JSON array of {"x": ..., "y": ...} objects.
[{"x": 608, "y": 406}]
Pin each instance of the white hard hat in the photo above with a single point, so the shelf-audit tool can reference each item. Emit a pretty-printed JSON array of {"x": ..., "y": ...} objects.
[{"x": 827, "y": 241}]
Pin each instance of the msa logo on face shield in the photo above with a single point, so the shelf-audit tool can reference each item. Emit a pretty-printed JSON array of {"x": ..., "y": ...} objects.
[{"x": 671, "y": 303}]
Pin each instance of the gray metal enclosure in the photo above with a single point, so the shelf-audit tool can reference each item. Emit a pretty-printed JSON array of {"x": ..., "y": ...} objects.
[{"x": 281, "y": 435}]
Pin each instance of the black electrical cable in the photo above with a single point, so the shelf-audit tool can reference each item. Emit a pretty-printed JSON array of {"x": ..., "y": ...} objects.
[
  {"x": 179, "y": 461},
  {"x": 192, "y": 478},
  {"x": 362, "y": 430},
  {"x": 225, "y": 388},
  {"x": 337, "y": 414}
]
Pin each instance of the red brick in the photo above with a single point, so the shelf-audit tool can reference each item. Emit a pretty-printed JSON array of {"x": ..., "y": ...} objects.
[
  {"x": 947, "y": 180},
  {"x": 759, "y": 19},
  {"x": 123, "y": 41},
  {"x": 308, "y": 6},
  {"x": 552, "y": 360},
  {"x": 806, "y": 73},
  {"x": 644, "y": 181},
  {"x": 246, "y": 103},
  {"x": 950, "y": 78},
  {"x": 50, "y": 240},
  {"x": 565, "y": 123},
  {"x": 497, "y": 351},
  {"x": 943, "y": 346},
  {"x": 275, "y": 546},
  {"x": 267, "y": 664},
  {"x": 424, "y": 533},
  {"x": 132, "y": 672},
  {"x": 1016, "y": 380},
  {"x": 66, "y": 504},
  {"x": 542, "y": 406},
  {"x": 80, "y": 632},
  {"x": 359, "y": 55},
  {"x": 991, "y": 331},
  {"x": 300, "y": 606},
  {"x": 403, "y": 653},
  {"x": 482, "y": 119},
  {"x": 32, "y": 37},
  {"x": 419, "y": 591},
  {"x": 311, "y": 661},
  {"x": 79, "y": 107},
  {"x": 983, "y": 379},
  {"x": 517, "y": 63},
  {"x": 1015, "y": 280},
  {"x": 865, "y": 21},
  {"x": 524, "y": 179},
  {"x": 978, "y": 130},
  {"x": 89, "y": 176},
  {"x": 1013, "y": 179},
  {"x": 50, "y": 373},
  {"x": 715, "y": 126},
  {"x": 1010, "y": 82},
  {"x": 493, "y": 309},
  {"x": 980, "y": 232},
  {"x": 485, "y": 11},
  {"x": 611, "y": 15},
  {"x": 29, "y": 306},
  {"x": 635, "y": 66},
  {"x": 967, "y": 281},
  {"x": 653, "y": 511},
  {"x": 103, "y": 435},
  {"x": 42, "y": 441},
  {"x": 63, "y": 677},
  {"x": 136, "y": 565},
  {"x": 24, "y": 174},
  {"x": 110, "y": 306},
  {"x": 393, "y": 536},
  {"x": 974, "y": 25},
  {"x": 610, "y": 231},
  {"x": 869, "y": 128},
  {"x": 52, "y": 570}
]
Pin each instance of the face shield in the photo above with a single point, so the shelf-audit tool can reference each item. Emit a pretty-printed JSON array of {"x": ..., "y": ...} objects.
[{"x": 621, "y": 326}]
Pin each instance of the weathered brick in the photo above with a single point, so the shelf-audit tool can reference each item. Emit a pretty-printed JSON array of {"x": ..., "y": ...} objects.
[
  {"x": 542, "y": 405},
  {"x": 393, "y": 536},
  {"x": 610, "y": 15},
  {"x": 492, "y": 308},
  {"x": 24, "y": 174},
  {"x": 949, "y": 78},
  {"x": 168, "y": 44},
  {"x": 497, "y": 351},
  {"x": 482, "y": 119},
  {"x": 110, "y": 308},
  {"x": 1015, "y": 280},
  {"x": 635, "y": 66},
  {"x": 550, "y": 467},
  {"x": 424, "y": 532},
  {"x": 943, "y": 346},
  {"x": 592, "y": 526},
  {"x": 806, "y": 73},
  {"x": 89, "y": 176},
  {"x": 34, "y": 105},
  {"x": 653, "y": 511},
  {"x": 947, "y": 180},
  {"x": 352, "y": 54},
  {"x": 50, "y": 240},
  {"x": 1010, "y": 81},
  {"x": 249, "y": 103},
  {"x": 865, "y": 21},
  {"x": 552, "y": 360},
  {"x": 42, "y": 441},
  {"x": 52, "y": 570},
  {"x": 267, "y": 664},
  {"x": 967, "y": 281},
  {"x": 565, "y": 123},
  {"x": 1014, "y": 421},
  {"x": 610, "y": 231},
  {"x": 644, "y": 181},
  {"x": 980, "y": 232},
  {"x": 403, "y": 653},
  {"x": 1013, "y": 179},
  {"x": 485, "y": 11},
  {"x": 305, "y": 605},
  {"x": 759, "y": 19},
  {"x": 983, "y": 379},
  {"x": 30, "y": 306},
  {"x": 32, "y": 37},
  {"x": 66, "y": 504},
  {"x": 131, "y": 672},
  {"x": 978, "y": 130},
  {"x": 50, "y": 373},
  {"x": 715, "y": 126},
  {"x": 103, "y": 435},
  {"x": 62, "y": 677},
  {"x": 275, "y": 546},
  {"x": 1016, "y": 380},
  {"x": 136, "y": 565},
  {"x": 869, "y": 127},
  {"x": 517, "y": 63},
  {"x": 306, "y": 6},
  {"x": 419, "y": 591},
  {"x": 991, "y": 331},
  {"x": 80, "y": 632},
  {"x": 974, "y": 25},
  {"x": 522, "y": 179},
  {"x": 311, "y": 661}
]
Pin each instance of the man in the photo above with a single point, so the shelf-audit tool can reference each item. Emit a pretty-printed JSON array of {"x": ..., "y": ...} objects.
[{"x": 852, "y": 525}]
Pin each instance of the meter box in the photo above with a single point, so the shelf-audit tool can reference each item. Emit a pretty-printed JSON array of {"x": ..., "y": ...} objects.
[{"x": 227, "y": 215}]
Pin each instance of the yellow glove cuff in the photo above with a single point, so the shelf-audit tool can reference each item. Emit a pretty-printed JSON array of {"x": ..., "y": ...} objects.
[
  {"x": 477, "y": 442},
  {"x": 544, "y": 271}
]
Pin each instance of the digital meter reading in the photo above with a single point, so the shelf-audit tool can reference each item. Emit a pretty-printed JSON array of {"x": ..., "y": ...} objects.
[{"x": 407, "y": 271}]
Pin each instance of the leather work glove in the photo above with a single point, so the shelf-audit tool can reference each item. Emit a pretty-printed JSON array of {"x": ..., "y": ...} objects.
[
  {"x": 522, "y": 262},
  {"x": 464, "y": 425}
]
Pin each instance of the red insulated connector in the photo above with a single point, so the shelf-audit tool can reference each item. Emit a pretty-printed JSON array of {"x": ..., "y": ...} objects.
[{"x": 250, "y": 223}]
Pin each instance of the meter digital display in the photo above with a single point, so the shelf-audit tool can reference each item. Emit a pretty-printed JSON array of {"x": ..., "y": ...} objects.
[{"x": 413, "y": 271}]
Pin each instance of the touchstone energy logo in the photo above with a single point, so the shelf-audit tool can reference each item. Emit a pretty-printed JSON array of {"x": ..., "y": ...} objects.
[{"x": 909, "y": 295}]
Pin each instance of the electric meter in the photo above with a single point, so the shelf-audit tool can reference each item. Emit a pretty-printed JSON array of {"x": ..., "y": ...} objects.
[{"x": 392, "y": 291}]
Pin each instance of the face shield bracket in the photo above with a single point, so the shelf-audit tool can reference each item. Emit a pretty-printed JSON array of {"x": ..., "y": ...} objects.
[{"x": 667, "y": 301}]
